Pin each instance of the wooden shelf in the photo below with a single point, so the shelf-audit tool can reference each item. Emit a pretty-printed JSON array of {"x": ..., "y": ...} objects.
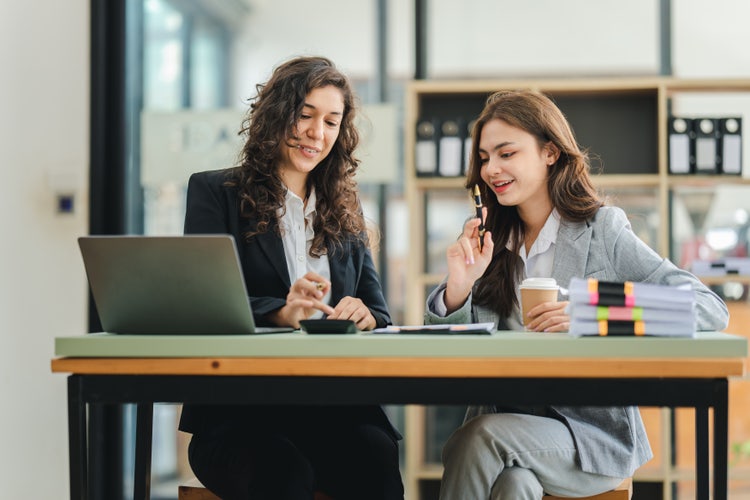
[
  {"x": 626, "y": 180},
  {"x": 729, "y": 278},
  {"x": 634, "y": 110},
  {"x": 583, "y": 85},
  {"x": 431, "y": 279},
  {"x": 583, "y": 97},
  {"x": 709, "y": 181},
  {"x": 601, "y": 180},
  {"x": 432, "y": 183}
]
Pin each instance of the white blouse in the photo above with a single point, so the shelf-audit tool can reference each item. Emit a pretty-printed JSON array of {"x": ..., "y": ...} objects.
[{"x": 297, "y": 235}]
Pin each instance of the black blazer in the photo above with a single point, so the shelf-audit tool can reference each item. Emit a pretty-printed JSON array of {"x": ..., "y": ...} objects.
[{"x": 213, "y": 208}]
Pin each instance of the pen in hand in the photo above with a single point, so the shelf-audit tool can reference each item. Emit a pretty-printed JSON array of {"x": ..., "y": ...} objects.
[{"x": 478, "y": 206}]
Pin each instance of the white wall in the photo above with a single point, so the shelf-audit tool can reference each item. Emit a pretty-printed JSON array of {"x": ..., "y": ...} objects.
[
  {"x": 44, "y": 68},
  {"x": 711, "y": 39},
  {"x": 342, "y": 30},
  {"x": 542, "y": 37},
  {"x": 279, "y": 29}
]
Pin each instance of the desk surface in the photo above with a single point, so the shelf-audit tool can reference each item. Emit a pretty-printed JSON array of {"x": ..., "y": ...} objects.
[
  {"x": 517, "y": 367},
  {"x": 502, "y": 354}
]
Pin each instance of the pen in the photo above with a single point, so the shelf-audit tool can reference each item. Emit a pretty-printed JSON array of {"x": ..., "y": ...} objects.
[{"x": 478, "y": 206}]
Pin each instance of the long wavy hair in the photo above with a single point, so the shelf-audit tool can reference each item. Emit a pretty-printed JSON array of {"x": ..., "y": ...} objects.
[
  {"x": 568, "y": 183},
  {"x": 270, "y": 126}
]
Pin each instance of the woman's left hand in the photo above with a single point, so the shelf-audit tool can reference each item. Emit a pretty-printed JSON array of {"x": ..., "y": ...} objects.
[
  {"x": 354, "y": 309},
  {"x": 303, "y": 300},
  {"x": 549, "y": 317}
]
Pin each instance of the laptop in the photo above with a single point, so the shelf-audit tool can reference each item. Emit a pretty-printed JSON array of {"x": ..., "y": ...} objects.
[{"x": 169, "y": 285}]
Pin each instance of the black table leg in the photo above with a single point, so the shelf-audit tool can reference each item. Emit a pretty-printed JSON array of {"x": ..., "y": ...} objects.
[
  {"x": 721, "y": 439},
  {"x": 77, "y": 443},
  {"x": 88, "y": 393},
  {"x": 143, "y": 433},
  {"x": 701, "y": 453}
]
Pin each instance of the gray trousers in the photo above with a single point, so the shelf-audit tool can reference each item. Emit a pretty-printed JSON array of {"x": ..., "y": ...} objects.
[{"x": 511, "y": 456}]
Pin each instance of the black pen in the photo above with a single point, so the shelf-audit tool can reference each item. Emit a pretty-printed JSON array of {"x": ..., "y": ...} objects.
[{"x": 478, "y": 206}]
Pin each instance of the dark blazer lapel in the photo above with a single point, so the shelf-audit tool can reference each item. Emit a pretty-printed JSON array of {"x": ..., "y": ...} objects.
[
  {"x": 342, "y": 273},
  {"x": 273, "y": 249},
  {"x": 571, "y": 251}
]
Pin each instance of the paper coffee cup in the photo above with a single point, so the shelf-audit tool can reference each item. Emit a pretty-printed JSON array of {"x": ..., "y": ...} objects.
[{"x": 535, "y": 291}]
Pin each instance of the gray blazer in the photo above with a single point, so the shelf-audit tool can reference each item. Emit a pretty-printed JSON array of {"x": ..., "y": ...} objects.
[{"x": 610, "y": 441}]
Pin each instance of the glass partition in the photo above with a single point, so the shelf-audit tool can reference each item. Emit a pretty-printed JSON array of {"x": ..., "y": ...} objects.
[{"x": 196, "y": 64}]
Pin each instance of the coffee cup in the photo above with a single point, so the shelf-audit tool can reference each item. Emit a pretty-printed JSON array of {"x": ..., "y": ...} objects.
[{"x": 534, "y": 291}]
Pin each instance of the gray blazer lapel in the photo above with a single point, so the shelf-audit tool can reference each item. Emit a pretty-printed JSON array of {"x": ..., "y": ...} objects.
[
  {"x": 485, "y": 315},
  {"x": 571, "y": 251}
]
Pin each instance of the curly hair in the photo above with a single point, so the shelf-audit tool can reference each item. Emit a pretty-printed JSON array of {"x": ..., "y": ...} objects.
[
  {"x": 269, "y": 126},
  {"x": 569, "y": 186}
]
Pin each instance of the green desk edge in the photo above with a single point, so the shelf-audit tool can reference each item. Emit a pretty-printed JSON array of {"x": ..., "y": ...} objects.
[{"x": 499, "y": 344}]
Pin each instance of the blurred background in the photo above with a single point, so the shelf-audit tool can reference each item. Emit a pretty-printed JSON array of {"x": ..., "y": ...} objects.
[{"x": 108, "y": 106}]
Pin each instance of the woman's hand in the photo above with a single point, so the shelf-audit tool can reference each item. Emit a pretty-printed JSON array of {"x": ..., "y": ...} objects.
[
  {"x": 548, "y": 317},
  {"x": 466, "y": 263},
  {"x": 354, "y": 309},
  {"x": 303, "y": 299}
]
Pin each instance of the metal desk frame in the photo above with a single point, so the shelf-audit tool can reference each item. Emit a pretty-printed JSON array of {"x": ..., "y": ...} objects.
[{"x": 144, "y": 390}]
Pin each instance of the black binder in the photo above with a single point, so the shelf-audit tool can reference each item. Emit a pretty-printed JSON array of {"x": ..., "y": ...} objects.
[
  {"x": 730, "y": 137},
  {"x": 450, "y": 151},
  {"x": 707, "y": 155},
  {"x": 426, "y": 148},
  {"x": 681, "y": 145}
]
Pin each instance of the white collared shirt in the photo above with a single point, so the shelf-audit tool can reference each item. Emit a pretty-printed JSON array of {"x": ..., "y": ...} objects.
[
  {"x": 539, "y": 262},
  {"x": 297, "y": 235}
]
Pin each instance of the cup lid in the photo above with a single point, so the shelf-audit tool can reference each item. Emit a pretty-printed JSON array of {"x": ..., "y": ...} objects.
[{"x": 547, "y": 283}]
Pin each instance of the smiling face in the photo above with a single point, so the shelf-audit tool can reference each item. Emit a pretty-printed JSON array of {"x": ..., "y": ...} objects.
[
  {"x": 514, "y": 166},
  {"x": 315, "y": 133}
]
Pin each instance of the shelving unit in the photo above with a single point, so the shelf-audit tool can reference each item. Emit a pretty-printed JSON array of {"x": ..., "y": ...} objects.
[{"x": 621, "y": 121}]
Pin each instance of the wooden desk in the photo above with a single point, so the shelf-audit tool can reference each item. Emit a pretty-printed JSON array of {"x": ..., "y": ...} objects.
[{"x": 517, "y": 367}]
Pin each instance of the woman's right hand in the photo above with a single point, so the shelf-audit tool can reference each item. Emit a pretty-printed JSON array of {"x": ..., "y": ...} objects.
[
  {"x": 466, "y": 263},
  {"x": 303, "y": 299}
]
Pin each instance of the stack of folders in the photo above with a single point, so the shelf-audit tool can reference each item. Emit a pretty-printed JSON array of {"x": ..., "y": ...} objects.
[
  {"x": 443, "y": 147},
  {"x": 704, "y": 145},
  {"x": 606, "y": 308}
]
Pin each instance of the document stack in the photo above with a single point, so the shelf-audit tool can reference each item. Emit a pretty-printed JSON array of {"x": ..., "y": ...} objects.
[{"x": 606, "y": 308}]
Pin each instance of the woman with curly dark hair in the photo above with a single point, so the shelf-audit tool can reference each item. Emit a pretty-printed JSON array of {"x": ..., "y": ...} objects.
[{"x": 292, "y": 206}]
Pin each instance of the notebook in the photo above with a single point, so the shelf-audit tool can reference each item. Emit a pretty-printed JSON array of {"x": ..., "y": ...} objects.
[
  {"x": 169, "y": 285},
  {"x": 448, "y": 329}
]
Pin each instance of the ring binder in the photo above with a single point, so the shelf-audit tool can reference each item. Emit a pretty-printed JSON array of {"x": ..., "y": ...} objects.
[
  {"x": 730, "y": 134},
  {"x": 450, "y": 152},
  {"x": 426, "y": 155},
  {"x": 707, "y": 159},
  {"x": 681, "y": 145}
]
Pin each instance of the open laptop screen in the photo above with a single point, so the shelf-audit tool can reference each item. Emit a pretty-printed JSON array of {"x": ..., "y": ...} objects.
[{"x": 168, "y": 285}]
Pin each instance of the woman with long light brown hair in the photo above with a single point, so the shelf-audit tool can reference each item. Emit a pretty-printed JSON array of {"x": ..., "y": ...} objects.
[{"x": 543, "y": 219}]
